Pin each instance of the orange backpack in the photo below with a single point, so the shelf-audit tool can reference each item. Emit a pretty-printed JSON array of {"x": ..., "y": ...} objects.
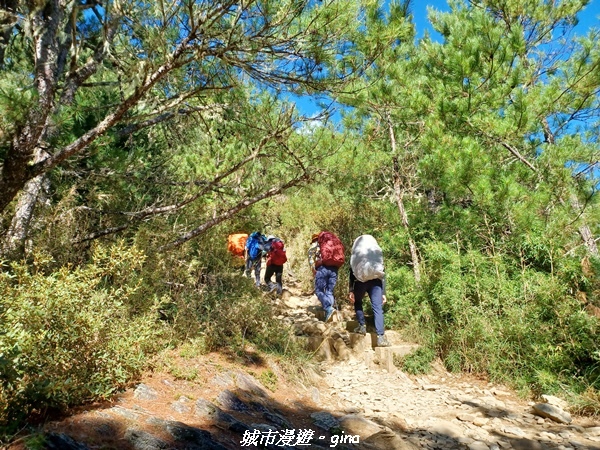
[{"x": 236, "y": 243}]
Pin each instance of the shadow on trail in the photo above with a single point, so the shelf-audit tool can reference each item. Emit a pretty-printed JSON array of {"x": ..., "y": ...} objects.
[
  {"x": 249, "y": 416},
  {"x": 241, "y": 412}
]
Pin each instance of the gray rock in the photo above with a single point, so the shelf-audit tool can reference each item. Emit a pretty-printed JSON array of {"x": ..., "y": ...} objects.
[
  {"x": 341, "y": 349},
  {"x": 325, "y": 421},
  {"x": 248, "y": 383},
  {"x": 262, "y": 427},
  {"x": 180, "y": 408},
  {"x": 278, "y": 419},
  {"x": 182, "y": 432},
  {"x": 552, "y": 412},
  {"x": 142, "y": 440},
  {"x": 555, "y": 401},
  {"x": 315, "y": 395},
  {"x": 124, "y": 412},
  {"x": 387, "y": 440},
  {"x": 256, "y": 406},
  {"x": 527, "y": 444},
  {"x": 145, "y": 392},
  {"x": 466, "y": 418},
  {"x": 182, "y": 405},
  {"x": 516, "y": 431},
  {"x": 444, "y": 428},
  {"x": 229, "y": 400},
  {"x": 208, "y": 410},
  {"x": 478, "y": 445},
  {"x": 593, "y": 431},
  {"x": 106, "y": 429},
  {"x": 60, "y": 441},
  {"x": 200, "y": 439},
  {"x": 358, "y": 425},
  {"x": 223, "y": 379}
]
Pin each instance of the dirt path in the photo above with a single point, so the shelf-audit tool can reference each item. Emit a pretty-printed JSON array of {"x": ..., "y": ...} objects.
[{"x": 217, "y": 402}]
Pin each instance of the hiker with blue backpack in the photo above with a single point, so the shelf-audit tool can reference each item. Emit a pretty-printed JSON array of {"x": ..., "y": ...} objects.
[
  {"x": 367, "y": 276},
  {"x": 253, "y": 255}
]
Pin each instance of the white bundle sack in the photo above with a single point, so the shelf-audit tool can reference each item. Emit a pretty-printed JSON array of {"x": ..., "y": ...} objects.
[{"x": 367, "y": 259}]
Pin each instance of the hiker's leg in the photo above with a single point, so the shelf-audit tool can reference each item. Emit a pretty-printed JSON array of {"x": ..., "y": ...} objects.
[
  {"x": 321, "y": 278},
  {"x": 360, "y": 289},
  {"x": 375, "y": 290},
  {"x": 278, "y": 278},
  {"x": 269, "y": 271},
  {"x": 248, "y": 267},
  {"x": 257, "y": 265},
  {"x": 331, "y": 282}
]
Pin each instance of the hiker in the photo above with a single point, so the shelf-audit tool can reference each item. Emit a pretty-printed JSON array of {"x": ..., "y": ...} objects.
[
  {"x": 253, "y": 255},
  {"x": 326, "y": 256},
  {"x": 276, "y": 258},
  {"x": 236, "y": 245},
  {"x": 367, "y": 276}
]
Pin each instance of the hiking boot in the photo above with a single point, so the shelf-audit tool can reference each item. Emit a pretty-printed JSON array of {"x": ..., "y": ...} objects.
[
  {"x": 271, "y": 287},
  {"x": 329, "y": 313},
  {"x": 361, "y": 329},
  {"x": 382, "y": 341}
]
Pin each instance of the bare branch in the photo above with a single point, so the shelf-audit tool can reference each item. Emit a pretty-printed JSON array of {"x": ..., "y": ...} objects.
[
  {"x": 232, "y": 212},
  {"x": 521, "y": 158}
]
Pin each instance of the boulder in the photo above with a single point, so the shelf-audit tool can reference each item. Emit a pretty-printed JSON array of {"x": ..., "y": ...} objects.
[
  {"x": 387, "y": 440},
  {"x": 358, "y": 425},
  {"x": 552, "y": 412}
]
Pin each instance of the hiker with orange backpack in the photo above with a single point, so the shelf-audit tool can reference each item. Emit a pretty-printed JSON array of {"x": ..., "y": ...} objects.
[
  {"x": 236, "y": 246},
  {"x": 326, "y": 256},
  {"x": 276, "y": 258}
]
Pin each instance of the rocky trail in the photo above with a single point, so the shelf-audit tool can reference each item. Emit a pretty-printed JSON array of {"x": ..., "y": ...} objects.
[{"x": 354, "y": 398}]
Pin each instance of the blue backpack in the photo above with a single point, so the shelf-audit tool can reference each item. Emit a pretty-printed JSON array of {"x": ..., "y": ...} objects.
[{"x": 255, "y": 244}]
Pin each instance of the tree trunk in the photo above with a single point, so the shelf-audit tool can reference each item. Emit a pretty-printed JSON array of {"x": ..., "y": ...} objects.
[
  {"x": 584, "y": 230},
  {"x": 399, "y": 194},
  {"x": 13, "y": 247}
]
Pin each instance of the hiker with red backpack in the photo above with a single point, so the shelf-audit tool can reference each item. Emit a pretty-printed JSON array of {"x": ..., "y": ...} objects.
[
  {"x": 326, "y": 256},
  {"x": 367, "y": 276},
  {"x": 276, "y": 258}
]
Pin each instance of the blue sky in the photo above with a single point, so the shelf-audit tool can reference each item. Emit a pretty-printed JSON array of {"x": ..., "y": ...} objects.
[{"x": 590, "y": 17}]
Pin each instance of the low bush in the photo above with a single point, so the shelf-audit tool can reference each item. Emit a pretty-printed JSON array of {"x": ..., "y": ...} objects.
[
  {"x": 70, "y": 336},
  {"x": 516, "y": 323}
]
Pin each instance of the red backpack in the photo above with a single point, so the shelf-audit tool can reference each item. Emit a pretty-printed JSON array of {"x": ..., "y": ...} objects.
[
  {"x": 331, "y": 249},
  {"x": 277, "y": 254}
]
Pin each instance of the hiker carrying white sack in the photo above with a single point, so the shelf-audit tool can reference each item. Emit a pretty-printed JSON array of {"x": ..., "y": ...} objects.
[{"x": 367, "y": 276}]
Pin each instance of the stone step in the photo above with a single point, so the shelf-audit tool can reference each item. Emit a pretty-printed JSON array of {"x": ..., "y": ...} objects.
[
  {"x": 320, "y": 314},
  {"x": 385, "y": 355}
]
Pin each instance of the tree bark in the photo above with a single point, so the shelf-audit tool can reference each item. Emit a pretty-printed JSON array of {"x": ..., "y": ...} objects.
[
  {"x": 584, "y": 230},
  {"x": 399, "y": 194},
  {"x": 13, "y": 247}
]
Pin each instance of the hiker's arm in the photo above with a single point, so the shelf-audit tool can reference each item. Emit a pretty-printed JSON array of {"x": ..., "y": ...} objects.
[{"x": 351, "y": 280}]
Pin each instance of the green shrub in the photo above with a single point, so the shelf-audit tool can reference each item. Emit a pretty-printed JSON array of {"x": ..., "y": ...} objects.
[
  {"x": 70, "y": 336},
  {"x": 496, "y": 315},
  {"x": 417, "y": 362}
]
